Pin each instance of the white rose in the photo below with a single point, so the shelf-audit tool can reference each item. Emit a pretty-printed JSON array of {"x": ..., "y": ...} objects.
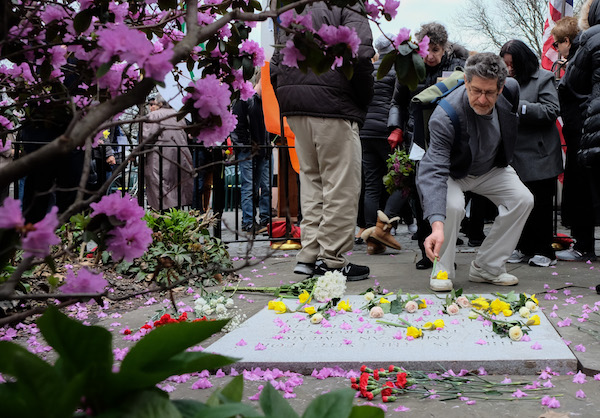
[
  {"x": 473, "y": 315},
  {"x": 524, "y": 312},
  {"x": 411, "y": 306},
  {"x": 369, "y": 296},
  {"x": 463, "y": 302},
  {"x": 531, "y": 305},
  {"x": 515, "y": 333},
  {"x": 316, "y": 318},
  {"x": 452, "y": 309}
]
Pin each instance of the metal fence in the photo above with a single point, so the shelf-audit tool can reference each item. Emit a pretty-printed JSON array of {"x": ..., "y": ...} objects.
[{"x": 215, "y": 180}]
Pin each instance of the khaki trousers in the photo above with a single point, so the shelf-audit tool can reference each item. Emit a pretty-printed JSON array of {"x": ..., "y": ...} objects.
[
  {"x": 329, "y": 153},
  {"x": 504, "y": 188}
]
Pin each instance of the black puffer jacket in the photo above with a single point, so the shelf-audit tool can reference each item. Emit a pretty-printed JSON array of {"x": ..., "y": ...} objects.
[
  {"x": 377, "y": 116},
  {"x": 329, "y": 95},
  {"x": 569, "y": 103},
  {"x": 399, "y": 116},
  {"x": 583, "y": 79}
]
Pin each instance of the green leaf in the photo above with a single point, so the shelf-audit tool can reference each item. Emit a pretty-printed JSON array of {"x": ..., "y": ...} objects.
[
  {"x": 386, "y": 64},
  {"x": 419, "y": 66},
  {"x": 366, "y": 411},
  {"x": 104, "y": 68},
  {"x": 233, "y": 392},
  {"x": 80, "y": 347},
  {"x": 396, "y": 306},
  {"x": 161, "y": 354},
  {"x": 274, "y": 405},
  {"x": 336, "y": 404},
  {"x": 231, "y": 410},
  {"x": 189, "y": 409},
  {"x": 146, "y": 404},
  {"x": 402, "y": 67},
  {"x": 83, "y": 20}
]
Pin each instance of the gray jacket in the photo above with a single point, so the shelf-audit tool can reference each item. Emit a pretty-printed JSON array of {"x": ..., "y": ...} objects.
[
  {"x": 449, "y": 157},
  {"x": 537, "y": 151},
  {"x": 331, "y": 94}
]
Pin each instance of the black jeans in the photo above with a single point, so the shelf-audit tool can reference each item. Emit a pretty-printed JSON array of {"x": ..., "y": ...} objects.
[
  {"x": 375, "y": 152},
  {"x": 537, "y": 235}
]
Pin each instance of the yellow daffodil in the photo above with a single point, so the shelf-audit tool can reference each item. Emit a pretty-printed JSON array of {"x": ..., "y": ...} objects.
[
  {"x": 304, "y": 297},
  {"x": 310, "y": 310},
  {"x": 439, "y": 323},
  {"x": 507, "y": 312},
  {"x": 498, "y": 306},
  {"x": 533, "y": 298},
  {"x": 345, "y": 305},
  {"x": 278, "y": 307},
  {"x": 414, "y": 332},
  {"x": 533, "y": 320},
  {"x": 384, "y": 300},
  {"x": 422, "y": 304},
  {"x": 442, "y": 275},
  {"x": 480, "y": 303},
  {"x": 271, "y": 304},
  {"x": 427, "y": 326}
]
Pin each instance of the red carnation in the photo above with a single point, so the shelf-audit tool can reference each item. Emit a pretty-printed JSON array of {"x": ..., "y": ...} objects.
[{"x": 401, "y": 380}]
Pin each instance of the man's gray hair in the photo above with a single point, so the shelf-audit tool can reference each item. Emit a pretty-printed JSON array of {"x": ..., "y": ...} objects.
[{"x": 486, "y": 65}]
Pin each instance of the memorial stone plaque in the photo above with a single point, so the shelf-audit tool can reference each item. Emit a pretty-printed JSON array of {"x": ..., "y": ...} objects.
[{"x": 290, "y": 341}]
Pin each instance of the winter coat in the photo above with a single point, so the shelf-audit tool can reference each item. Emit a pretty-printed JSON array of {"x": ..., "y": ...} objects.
[
  {"x": 377, "y": 115},
  {"x": 172, "y": 178},
  {"x": 583, "y": 79},
  {"x": 250, "y": 129},
  {"x": 331, "y": 94},
  {"x": 569, "y": 103},
  {"x": 448, "y": 155},
  {"x": 537, "y": 150},
  {"x": 399, "y": 116}
]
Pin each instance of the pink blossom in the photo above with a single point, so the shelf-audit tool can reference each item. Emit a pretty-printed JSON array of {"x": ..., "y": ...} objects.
[
  {"x": 390, "y": 7},
  {"x": 241, "y": 343},
  {"x": 580, "y": 348},
  {"x": 402, "y": 408},
  {"x": 424, "y": 46},
  {"x": 506, "y": 381},
  {"x": 291, "y": 54},
  {"x": 526, "y": 338},
  {"x": 39, "y": 241},
  {"x": 10, "y": 214},
  {"x": 253, "y": 49},
  {"x": 579, "y": 378},
  {"x": 403, "y": 36},
  {"x": 202, "y": 383},
  {"x": 157, "y": 66},
  {"x": 580, "y": 394},
  {"x": 129, "y": 241},
  {"x": 536, "y": 346},
  {"x": 347, "y": 341},
  {"x": 564, "y": 323},
  {"x": 333, "y": 35},
  {"x": 519, "y": 394},
  {"x": 124, "y": 208},
  {"x": 85, "y": 282},
  {"x": 550, "y": 402},
  {"x": 5, "y": 123}
]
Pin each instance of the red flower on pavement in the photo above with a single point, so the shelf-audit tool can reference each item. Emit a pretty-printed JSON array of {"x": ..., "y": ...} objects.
[
  {"x": 126, "y": 331},
  {"x": 401, "y": 380}
]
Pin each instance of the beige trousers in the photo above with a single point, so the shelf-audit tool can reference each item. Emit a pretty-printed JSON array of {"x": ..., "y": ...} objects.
[
  {"x": 329, "y": 153},
  {"x": 504, "y": 188}
]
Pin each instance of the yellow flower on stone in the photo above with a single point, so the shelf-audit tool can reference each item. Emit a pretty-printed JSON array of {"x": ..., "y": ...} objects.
[
  {"x": 480, "y": 303},
  {"x": 533, "y": 320},
  {"x": 533, "y": 298},
  {"x": 105, "y": 133},
  {"x": 271, "y": 305},
  {"x": 304, "y": 297},
  {"x": 428, "y": 326},
  {"x": 345, "y": 305},
  {"x": 279, "y": 307},
  {"x": 439, "y": 323},
  {"x": 442, "y": 275},
  {"x": 414, "y": 332},
  {"x": 422, "y": 304},
  {"x": 310, "y": 310},
  {"x": 384, "y": 300},
  {"x": 498, "y": 306},
  {"x": 507, "y": 312}
]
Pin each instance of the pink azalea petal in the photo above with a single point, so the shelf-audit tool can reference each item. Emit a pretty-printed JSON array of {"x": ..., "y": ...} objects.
[
  {"x": 241, "y": 343},
  {"x": 481, "y": 341}
]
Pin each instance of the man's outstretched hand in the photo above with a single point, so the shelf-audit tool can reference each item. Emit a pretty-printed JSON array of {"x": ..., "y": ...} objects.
[{"x": 433, "y": 243}]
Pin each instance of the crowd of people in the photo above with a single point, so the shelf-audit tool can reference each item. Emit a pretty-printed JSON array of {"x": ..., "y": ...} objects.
[{"x": 496, "y": 140}]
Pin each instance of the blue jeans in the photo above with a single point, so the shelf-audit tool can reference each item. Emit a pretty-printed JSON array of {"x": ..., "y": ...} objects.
[{"x": 255, "y": 174}]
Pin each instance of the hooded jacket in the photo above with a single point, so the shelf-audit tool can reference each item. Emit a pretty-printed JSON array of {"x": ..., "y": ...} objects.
[
  {"x": 582, "y": 79},
  {"x": 331, "y": 94}
]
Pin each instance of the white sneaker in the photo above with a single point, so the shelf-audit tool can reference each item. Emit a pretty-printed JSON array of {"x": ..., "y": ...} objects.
[
  {"x": 517, "y": 257},
  {"x": 541, "y": 261},
  {"x": 440, "y": 285},
  {"x": 479, "y": 275}
]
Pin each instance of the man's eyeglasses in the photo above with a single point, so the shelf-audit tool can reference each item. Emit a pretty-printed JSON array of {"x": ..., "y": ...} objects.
[{"x": 478, "y": 92}]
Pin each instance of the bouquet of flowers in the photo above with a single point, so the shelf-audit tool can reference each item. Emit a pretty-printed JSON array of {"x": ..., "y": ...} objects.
[{"x": 401, "y": 172}]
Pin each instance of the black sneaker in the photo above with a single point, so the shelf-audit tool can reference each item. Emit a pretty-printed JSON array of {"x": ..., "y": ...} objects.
[
  {"x": 304, "y": 268},
  {"x": 320, "y": 268},
  {"x": 354, "y": 272}
]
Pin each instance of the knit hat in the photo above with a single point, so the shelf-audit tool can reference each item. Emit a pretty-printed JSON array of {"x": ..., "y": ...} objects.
[{"x": 383, "y": 44}]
